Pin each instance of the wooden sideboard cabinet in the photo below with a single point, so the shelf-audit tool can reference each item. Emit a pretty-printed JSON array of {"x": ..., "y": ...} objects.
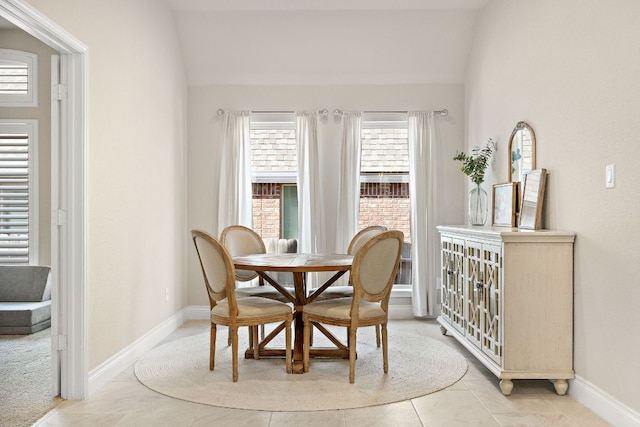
[{"x": 507, "y": 296}]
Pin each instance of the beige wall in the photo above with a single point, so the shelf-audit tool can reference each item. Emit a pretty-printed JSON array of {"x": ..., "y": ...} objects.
[
  {"x": 19, "y": 40},
  {"x": 203, "y": 137},
  {"x": 136, "y": 178},
  {"x": 571, "y": 70}
]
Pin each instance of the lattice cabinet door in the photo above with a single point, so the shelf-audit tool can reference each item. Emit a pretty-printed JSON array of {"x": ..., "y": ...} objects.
[
  {"x": 473, "y": 290},
  {"x": 491, "y": 302},
  {"x": 452, "y": 255}
]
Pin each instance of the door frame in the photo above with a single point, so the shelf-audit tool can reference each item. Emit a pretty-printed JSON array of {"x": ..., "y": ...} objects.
[{"x": 68, "y": 199}]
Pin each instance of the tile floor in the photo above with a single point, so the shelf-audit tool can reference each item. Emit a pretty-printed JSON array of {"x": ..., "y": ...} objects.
[{"x": 475, "y": 400}]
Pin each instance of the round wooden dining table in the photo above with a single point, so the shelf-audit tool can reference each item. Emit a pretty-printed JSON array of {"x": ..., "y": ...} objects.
[{"x": 299, "y": 265}]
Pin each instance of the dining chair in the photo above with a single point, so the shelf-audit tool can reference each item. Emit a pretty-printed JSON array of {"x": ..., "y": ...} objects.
[
  {"x": 345, "y": 291},
  {"x": 240, "y": 240},
  {"x": 219, "y": 278},
  {"x": 373, "y": 270}
]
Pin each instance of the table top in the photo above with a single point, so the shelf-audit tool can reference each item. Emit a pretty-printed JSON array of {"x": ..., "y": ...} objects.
[{"x": 294, "y": 262}]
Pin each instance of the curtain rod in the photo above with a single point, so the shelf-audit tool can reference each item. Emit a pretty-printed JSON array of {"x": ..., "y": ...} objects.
[
  {"x": 323, "y": 112},
  {"x": 443, "y": 112}
]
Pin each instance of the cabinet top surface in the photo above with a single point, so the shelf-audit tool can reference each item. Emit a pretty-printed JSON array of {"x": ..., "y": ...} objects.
[{"x": 507, "y": 233}]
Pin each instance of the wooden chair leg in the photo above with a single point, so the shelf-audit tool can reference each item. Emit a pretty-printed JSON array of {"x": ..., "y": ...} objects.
[
  {"x": 234, "y": 352},
  {"x": 212, "y": 346},
  {"x": 385, "y": 349},
  {"x": 306, "y": 337},
  {"x": 378, "y": 336},
  {"x": 288, "y": 355},
  {"x": 256, "y": 347},
  {"x": 352, "y": 355}
]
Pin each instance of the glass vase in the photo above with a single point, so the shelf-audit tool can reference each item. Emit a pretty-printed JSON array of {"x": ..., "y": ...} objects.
[{"x": 478, "y": 206}]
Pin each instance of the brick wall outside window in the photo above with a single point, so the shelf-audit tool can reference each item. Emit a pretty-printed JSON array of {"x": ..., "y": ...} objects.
[
  {"x": 266, "y": 209},
  {"x": 386, "y": 204}
]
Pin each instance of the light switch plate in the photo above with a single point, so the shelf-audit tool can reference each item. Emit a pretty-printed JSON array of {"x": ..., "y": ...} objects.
[{"x": 610, "y": 176}]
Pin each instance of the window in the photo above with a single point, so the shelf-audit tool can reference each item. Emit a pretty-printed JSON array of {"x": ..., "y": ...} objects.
[
  {"x": 273, "y": 170},
  {"x": 384, "y": 180},
  {"x": 18, "y": 78},
  {"x": 18, "y": 190}
]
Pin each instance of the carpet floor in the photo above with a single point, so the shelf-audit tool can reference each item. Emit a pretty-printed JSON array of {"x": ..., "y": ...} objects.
[
  {"x": 418, "y": 365},
  {"x": 25, "y": 369}
]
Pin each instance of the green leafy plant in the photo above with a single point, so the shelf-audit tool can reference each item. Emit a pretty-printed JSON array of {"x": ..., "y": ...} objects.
[{"x": 475, "y": 164}]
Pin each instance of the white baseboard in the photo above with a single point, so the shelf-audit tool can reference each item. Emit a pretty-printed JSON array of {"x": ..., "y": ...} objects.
[
  {"x": 108, "y": 370},
  {"x": 603, "y": 404}
]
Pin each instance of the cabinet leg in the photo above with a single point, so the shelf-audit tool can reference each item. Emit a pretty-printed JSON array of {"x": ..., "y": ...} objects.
[
  {"x": 561, "y": 386},
  {"x": 443, "y": 330},
  {"x": 506, "y": 386}
]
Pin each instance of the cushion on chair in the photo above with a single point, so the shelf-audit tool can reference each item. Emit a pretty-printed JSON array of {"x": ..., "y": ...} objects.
[
  {"x": 252, "y": 307},
  {"x": 333, "y": 292},
  {"x": 341, "y": 308},
  {"x": 266, "y": 291}
]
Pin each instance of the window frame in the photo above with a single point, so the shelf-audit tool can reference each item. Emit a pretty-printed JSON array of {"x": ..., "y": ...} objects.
[
  {"x": 30, "y": 99},
  {"x": 275, "y": 120},
  {"x": 388, "y": 120},
  {"x": 29, "y": 127}
]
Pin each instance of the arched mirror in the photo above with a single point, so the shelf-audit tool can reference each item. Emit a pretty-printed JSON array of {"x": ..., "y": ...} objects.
[{"x": 522, "y": 152}]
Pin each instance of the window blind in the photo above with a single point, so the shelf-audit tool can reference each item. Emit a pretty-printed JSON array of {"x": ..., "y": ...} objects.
[
  {"x": 18, "y": 78},
  {"x": 14, "y": 79},
  {"x": 14, "y": 198}
]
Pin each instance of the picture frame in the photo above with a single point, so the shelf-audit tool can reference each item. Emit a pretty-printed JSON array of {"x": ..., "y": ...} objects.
[
  {"x": 532, "y": 199},
  {"x": 505, "y": 204}
]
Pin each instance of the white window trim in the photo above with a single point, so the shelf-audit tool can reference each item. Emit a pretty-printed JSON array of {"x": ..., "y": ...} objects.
[
  {"x": 30, "y": 127},
  {"x": 388, "y": 178},
  {"x": 273, "y": 120},
  {"x": 279, "y": 177},
  {"x": 385, "y": 120},
  {"x": 30, "y": 99}
]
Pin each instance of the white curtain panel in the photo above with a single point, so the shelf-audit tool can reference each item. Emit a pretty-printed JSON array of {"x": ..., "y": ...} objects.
[
  {"x": 349, "y": 180},
  {"x": 234, "y": 193},
  {"x": 310, "y": 207},
  {"x": 424, "y": 235}
]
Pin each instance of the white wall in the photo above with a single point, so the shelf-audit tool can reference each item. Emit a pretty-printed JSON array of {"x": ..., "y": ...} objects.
[
  {"x": 203, "y": 152},
  {"x": 571, "y": 69},
  {"x": 136, "y": 179}
]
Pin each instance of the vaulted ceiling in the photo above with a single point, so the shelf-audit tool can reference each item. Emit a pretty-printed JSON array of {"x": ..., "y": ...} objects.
[{"x": 314, "y": 42}]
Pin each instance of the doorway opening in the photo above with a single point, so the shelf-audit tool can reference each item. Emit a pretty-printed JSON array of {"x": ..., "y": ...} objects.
[{"x": 68, "y": 200}]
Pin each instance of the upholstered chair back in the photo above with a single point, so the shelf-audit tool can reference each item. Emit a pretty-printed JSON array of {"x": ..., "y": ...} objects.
[
  {"x": 217, "y": 267},
  {"x": 240, "y": 240},
  {"x": 375, "y": 265}
]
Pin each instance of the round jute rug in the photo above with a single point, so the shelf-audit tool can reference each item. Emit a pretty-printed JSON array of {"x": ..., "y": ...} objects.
[{"x": 418, "y": 366}]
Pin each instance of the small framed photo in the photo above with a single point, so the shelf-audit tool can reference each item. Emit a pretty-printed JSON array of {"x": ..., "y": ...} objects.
[
  {"x": 532, "y": 198},
  {"x": 505, "y": 203}
]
